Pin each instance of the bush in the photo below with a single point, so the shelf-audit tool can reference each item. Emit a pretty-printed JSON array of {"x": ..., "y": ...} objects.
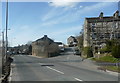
[
  {"x": 113, "y": 47},
  {"x": 88, "y": 51},
  {"x": 104, "y": 50},
  {"x": 116, "y": 51}
]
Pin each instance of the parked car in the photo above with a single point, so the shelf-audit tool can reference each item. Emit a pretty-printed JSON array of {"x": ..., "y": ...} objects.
[{"x": 77, "y": 52}]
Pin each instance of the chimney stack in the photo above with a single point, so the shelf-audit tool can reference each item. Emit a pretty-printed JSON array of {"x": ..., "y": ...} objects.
[
  {"x": 45, "y": 36},
  {"x": 101, "y": 15}
]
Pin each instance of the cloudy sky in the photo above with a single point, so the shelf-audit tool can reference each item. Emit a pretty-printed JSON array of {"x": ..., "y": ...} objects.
[{"x": 29, "y": 21}]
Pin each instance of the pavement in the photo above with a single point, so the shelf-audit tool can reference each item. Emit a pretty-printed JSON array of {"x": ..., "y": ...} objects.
[{"x": 66, "y": 67}]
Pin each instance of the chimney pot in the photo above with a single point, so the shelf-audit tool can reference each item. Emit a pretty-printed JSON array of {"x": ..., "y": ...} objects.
[{"x": 45, "y": 36}]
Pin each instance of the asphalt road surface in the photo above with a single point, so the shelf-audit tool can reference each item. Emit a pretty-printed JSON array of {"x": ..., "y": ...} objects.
[
  {"x": 66, "y": 67},
  {"x": 0, "y": 65}
]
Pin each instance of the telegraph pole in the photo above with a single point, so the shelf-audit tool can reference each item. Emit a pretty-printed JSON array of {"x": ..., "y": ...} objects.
[
  {"x": 3, "y": 53},
  {"x": 6, "y": 45},
  {"x": 5, "y": 63}
]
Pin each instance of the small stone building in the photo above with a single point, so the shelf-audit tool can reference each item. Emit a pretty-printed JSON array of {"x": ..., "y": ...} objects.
[{"x": 44, "y": 47}]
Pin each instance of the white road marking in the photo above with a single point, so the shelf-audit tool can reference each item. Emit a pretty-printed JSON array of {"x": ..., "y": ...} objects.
[
  {"x": 40, "y": 63},
  {"x": 55, "y": 70},
  {"x": 78, "y": 79}
]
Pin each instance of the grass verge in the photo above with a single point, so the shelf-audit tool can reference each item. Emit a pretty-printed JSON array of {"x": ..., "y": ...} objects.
[{"x": 109, "y": 59}]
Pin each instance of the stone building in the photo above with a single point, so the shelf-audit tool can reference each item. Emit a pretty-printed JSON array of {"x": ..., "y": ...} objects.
[
  {"x": 44, "y": 47},
  {"x": 72, "y": 41},
  {"x": 99, "y": 29}
]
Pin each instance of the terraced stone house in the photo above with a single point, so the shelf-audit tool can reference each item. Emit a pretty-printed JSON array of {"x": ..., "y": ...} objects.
[{"x": 99, "y": 29}]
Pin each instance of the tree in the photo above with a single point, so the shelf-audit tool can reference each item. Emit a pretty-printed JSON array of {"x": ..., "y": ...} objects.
[
  {"x": 29, "y": 42},
  {"x": 80, "y": 40}
]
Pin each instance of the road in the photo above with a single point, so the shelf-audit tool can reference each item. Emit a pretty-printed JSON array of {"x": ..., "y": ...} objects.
[
  {"x": 0, "y": 65},
  {"x": 66, "y": 67}
]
